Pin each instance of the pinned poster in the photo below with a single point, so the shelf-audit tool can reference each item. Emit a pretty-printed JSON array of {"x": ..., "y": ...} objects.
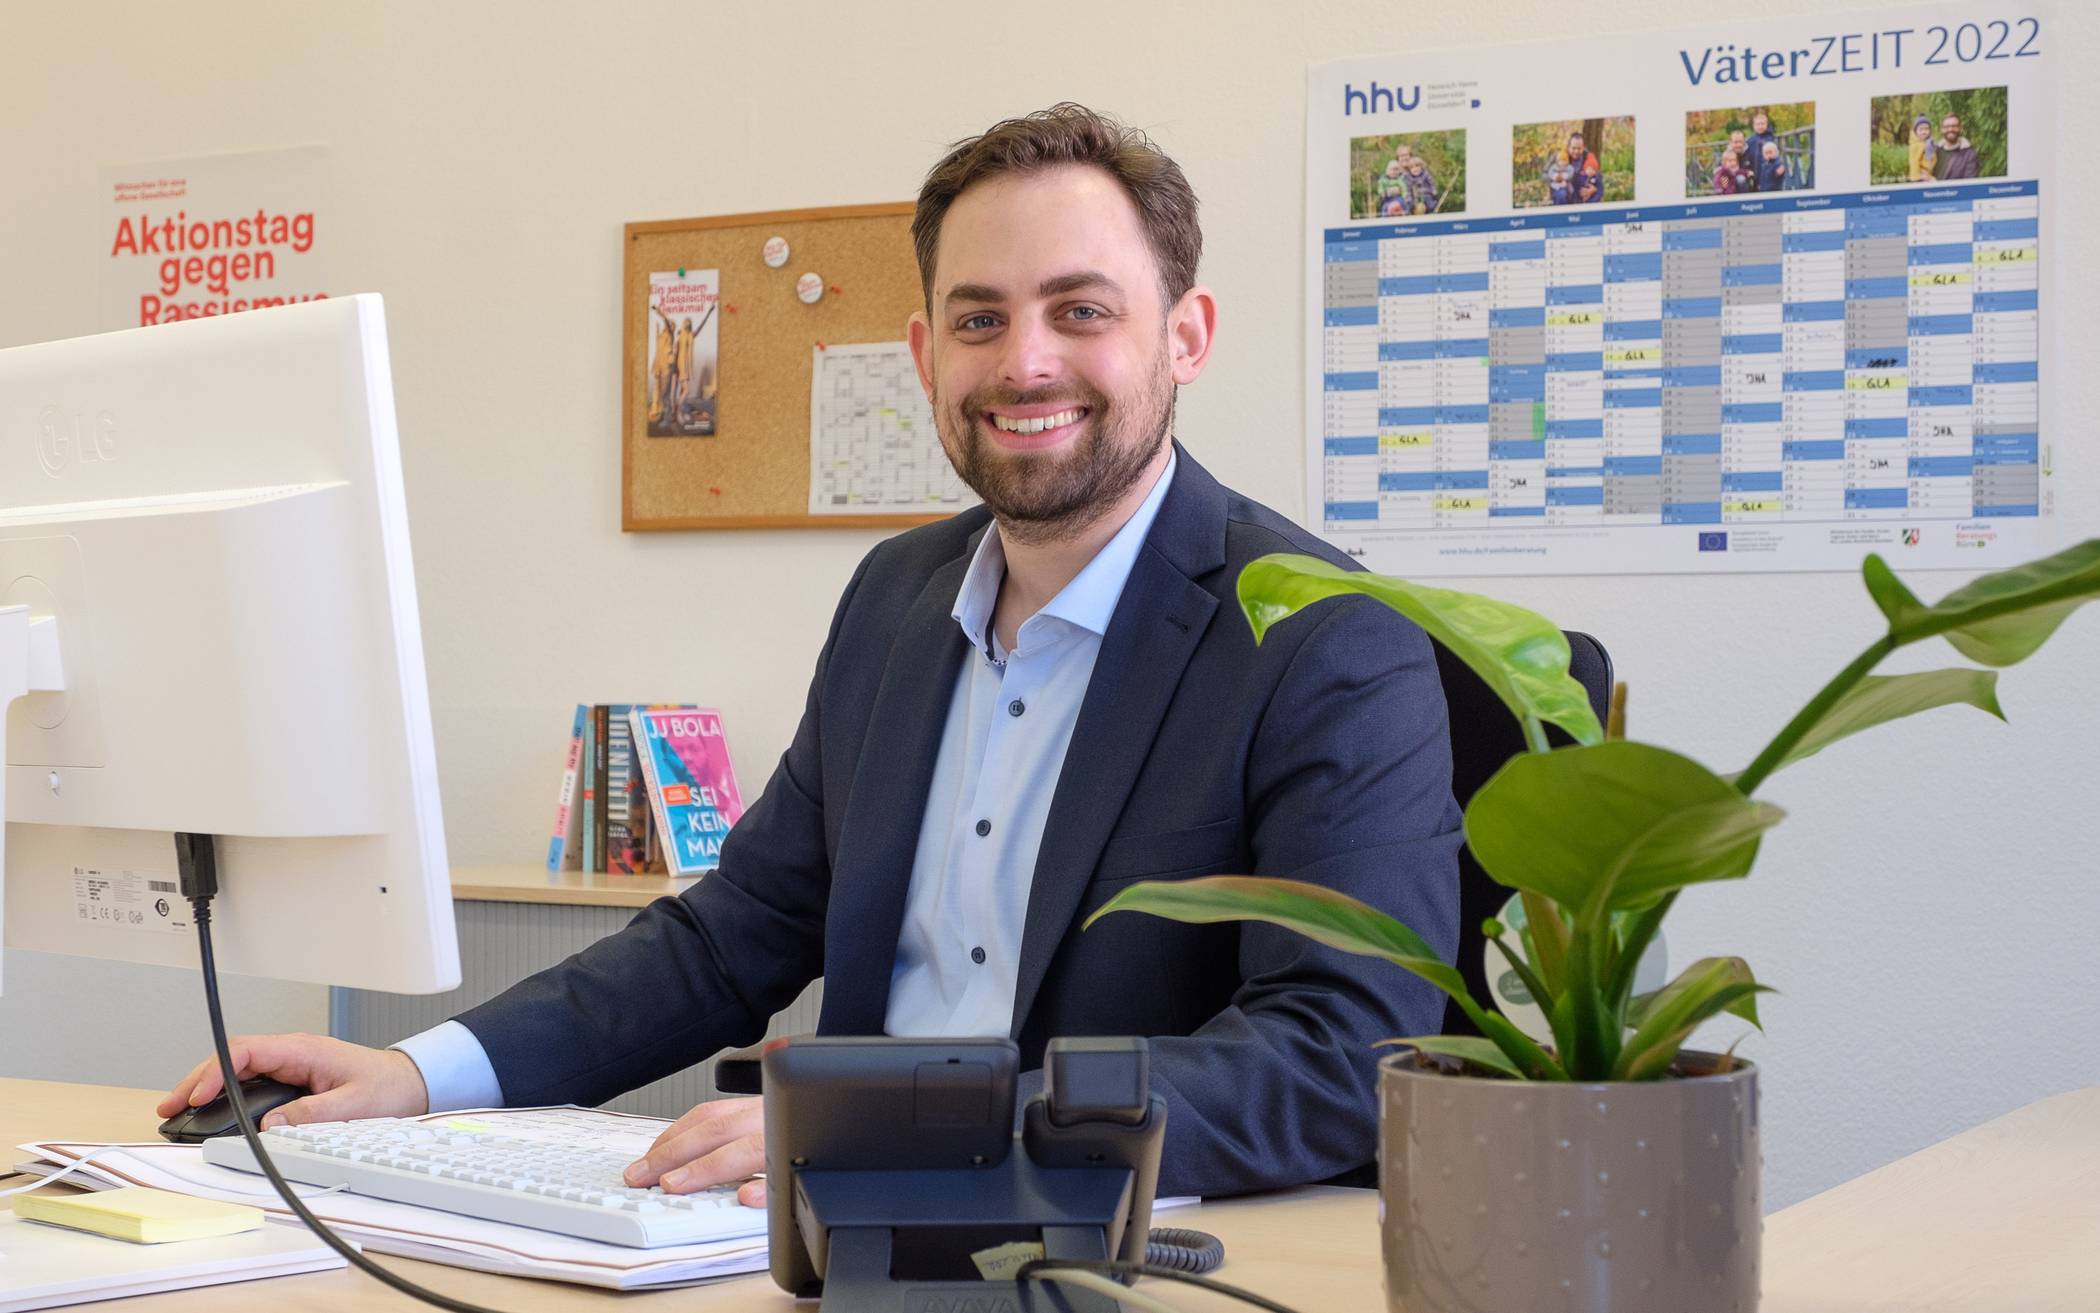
[
  {"x": 1766, "y": 294},
  {"x": 684, "y": 363},
  {"x": 212, "y": 235}
]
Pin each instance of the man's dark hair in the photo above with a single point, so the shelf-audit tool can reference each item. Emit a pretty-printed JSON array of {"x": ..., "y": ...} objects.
[{"x": 1065, "y": 134}]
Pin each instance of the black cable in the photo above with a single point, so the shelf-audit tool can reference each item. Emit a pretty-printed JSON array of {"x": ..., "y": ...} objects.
[
  {"x": 200, "y": 907},
  {"x": 1183, "y": 1250},
  {"x": 1116, "y": 1268}
]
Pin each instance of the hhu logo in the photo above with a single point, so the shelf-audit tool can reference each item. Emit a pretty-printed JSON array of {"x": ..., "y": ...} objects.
[{"x": 1379, "y": 100}]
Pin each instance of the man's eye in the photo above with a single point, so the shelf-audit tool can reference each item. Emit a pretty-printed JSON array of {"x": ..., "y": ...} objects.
[
  {"x": 978, "y": 323},
  {"x": 1086, "y": 312}
]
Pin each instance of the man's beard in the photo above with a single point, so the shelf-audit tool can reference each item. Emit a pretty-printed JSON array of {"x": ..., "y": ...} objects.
[{"x": 1042, "y": 497}]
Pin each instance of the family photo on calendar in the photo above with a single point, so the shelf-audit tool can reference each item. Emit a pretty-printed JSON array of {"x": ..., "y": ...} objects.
[
  {"x": 1572, "y": 162},
  {"x": 1746, "y": 150},
  {"x": 1402, "y": 175}
]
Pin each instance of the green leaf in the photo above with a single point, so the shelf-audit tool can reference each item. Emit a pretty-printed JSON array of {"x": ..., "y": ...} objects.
[
  {"x": 1637, "y": 1007},
  {"x": 1556, "y": 823},
  {"x": 1315, "y": 911},
  {"x": 1533, "y": 985},
  {"x": 1466, "y": 1048},
  {"x": 1332, "y": 918},
  {"x": 2001, "y": 618},
  {"x": 1897, "y": 602},
  {"x": 1580, "y": 1012},
  {"x": 1878, "y": 699},
  {"x": 1546, "y": 935},
  {"x": 1635, "y": 935},
  {"x": 1521, "y": 655},
  {"x": 1702, "y": 990}
]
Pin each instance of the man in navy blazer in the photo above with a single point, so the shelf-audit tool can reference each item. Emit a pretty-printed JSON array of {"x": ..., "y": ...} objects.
[{"x": 1018, "y": 712}]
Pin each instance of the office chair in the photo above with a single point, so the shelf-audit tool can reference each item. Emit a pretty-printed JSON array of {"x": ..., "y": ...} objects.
[{"x": 1484, "y": 735}]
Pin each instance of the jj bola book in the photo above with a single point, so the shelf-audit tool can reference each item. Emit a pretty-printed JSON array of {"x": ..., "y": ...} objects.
[{"x": 691, "y": 784}]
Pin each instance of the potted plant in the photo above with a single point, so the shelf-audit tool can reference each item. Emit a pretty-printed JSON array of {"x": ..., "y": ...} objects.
[{"x": 1610, "y": 1168}]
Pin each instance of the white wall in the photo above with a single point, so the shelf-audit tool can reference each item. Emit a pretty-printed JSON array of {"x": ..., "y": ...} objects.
[{"x": 1927, "y": 909}]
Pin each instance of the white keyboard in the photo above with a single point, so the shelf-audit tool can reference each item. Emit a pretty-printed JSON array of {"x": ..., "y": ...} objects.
[{"x": 575, "y": 1190}]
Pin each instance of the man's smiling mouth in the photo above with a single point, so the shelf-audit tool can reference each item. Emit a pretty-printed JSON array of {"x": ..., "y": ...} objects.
[{"x": 1040, "y": 423}]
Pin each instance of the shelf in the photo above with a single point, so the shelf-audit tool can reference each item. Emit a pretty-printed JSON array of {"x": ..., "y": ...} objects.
[{"x": 536, "y": 884}]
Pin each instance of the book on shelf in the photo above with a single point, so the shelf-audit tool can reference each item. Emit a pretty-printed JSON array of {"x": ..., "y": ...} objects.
[
  {"x": 564, "y": 849},
  {"x": 627, "y": 816},
  {"x": 691, "y": 784},
  {"x": 587, "y": 784},
  {"x": 601, "y": 745},
  {"x": 606, "y": 821}
]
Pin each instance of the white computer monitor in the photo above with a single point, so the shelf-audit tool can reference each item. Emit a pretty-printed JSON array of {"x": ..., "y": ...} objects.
[{"x": 212, "y": 513}]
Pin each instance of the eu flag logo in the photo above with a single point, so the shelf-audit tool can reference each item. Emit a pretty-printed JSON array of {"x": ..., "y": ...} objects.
[{"x": 1713, "y": 542}]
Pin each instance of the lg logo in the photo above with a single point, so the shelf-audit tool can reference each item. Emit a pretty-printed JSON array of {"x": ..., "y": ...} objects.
[{"x": 64, "y": 439}]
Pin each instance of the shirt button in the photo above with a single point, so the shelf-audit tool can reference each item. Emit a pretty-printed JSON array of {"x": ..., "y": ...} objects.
[
  {"x": 977, "y": 956},
  {"x": 1016, "y": 707},
  {"x": 983, "y": 828}
]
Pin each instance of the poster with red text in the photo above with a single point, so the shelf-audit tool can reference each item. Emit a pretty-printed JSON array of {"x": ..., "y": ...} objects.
[{"x": 211, "y": 235}]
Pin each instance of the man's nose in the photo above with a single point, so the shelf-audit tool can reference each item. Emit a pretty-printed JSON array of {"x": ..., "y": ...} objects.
[{"x": 1031, "y": 357}]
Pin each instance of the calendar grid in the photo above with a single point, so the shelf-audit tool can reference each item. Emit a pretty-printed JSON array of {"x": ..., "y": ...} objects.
[{"x": 1801, "y": 359}]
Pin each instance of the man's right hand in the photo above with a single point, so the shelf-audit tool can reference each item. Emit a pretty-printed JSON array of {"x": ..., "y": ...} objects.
[{"x": 347, "y": 1081}]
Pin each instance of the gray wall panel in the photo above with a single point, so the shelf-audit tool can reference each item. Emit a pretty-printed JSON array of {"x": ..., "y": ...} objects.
[{"x": 502, "y": 943}]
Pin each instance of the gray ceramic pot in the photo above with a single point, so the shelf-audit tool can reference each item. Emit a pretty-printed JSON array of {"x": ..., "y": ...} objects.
[{"x": 1531, "y": 1197}]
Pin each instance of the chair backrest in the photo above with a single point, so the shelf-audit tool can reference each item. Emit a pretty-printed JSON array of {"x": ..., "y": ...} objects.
[{"x": 1483, "y": 736}]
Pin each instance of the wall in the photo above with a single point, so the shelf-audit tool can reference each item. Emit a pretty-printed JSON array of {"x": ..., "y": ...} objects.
[{"x": 1924, "y": 911}]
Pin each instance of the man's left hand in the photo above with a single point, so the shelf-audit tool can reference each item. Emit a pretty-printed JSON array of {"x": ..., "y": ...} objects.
[{"x": 714, "y": 1144}]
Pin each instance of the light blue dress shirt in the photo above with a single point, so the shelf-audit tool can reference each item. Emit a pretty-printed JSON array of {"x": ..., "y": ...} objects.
[{"x": 1009, "y": 722}]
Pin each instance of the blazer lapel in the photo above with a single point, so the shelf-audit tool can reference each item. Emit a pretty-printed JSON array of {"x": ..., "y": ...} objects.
[
  {"x": 880, "y": 831},
  {"x": 1157, "y": 625}
]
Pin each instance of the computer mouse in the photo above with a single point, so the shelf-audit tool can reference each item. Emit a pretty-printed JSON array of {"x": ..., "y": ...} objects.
[{"x": 206, "y": 1120}]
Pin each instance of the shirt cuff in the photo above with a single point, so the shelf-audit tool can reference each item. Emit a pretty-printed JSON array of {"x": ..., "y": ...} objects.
[{"x": 456, "y": 1069}]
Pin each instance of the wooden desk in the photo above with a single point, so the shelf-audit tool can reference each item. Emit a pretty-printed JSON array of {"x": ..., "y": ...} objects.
[{"x": 2000, "y": 1219}]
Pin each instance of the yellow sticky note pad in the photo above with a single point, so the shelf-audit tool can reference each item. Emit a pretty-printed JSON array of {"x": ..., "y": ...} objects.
[{"x": 141, "y": 1215}]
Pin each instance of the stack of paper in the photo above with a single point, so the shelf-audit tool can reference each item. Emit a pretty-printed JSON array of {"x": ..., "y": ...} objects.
[
  {"x": 48, "y": 1266},
  {"x": 385, "y": 1227}
]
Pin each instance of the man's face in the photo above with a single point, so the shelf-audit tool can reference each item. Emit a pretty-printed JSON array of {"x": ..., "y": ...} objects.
[
  {"x": 1575, "y": 149},
  {"x": 1950, "y": 127},
  {"x": 1047, "y": 354}
]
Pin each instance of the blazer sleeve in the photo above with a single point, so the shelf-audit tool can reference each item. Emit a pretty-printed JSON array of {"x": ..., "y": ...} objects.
[
  {"x": 1348, "y": 786},
  {"x": 693, "y": 974}
]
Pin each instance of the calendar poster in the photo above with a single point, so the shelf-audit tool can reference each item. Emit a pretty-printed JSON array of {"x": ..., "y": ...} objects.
[{"x": 1763, "y": 295}]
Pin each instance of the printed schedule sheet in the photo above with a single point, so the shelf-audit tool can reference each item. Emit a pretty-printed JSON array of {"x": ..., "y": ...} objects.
[{"x": 1819, "y": 359}]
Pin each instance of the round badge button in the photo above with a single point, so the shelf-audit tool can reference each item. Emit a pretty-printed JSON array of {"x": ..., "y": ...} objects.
[
  {"x": 810, "y": 288},
  {"x": 775, "y": 252}
]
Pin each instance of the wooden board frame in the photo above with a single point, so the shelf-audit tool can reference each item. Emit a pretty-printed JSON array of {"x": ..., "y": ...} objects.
[{"x": 756, "y": 474}]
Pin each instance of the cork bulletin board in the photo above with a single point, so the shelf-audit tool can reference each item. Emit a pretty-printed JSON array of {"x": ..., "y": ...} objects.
[{"x": 753, "y": 469}]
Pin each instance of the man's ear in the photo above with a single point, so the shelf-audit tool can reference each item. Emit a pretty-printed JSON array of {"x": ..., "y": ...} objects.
[
  {"x": 918, "y": 332},
  {"x": 1192, "y": 326}
]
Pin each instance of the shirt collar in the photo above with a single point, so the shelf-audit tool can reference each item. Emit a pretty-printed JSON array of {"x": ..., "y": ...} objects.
[{"x": 1088, "y": 601}]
